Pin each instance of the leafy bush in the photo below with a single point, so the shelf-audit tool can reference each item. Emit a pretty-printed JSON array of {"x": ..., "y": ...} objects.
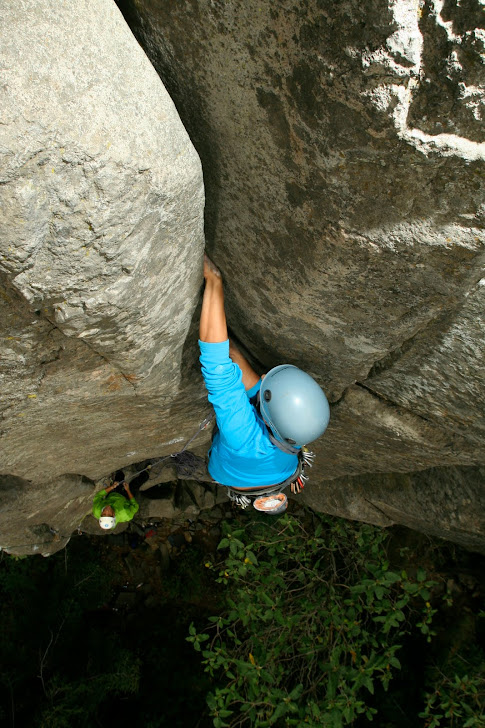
[
  {"x": 457, "y": 695},
  {"x": 314, "y": 619}
]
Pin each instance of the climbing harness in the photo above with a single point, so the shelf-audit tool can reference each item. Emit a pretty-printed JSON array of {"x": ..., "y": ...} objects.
[{"x": 243, "y": 497}]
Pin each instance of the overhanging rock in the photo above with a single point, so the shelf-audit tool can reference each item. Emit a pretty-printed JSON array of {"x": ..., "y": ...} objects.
[
  {"x": 343, "y": 150},
  {"x": 101, "y": 239}
]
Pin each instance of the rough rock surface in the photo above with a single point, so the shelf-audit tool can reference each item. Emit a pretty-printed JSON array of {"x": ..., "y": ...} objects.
[
  {"x": 411, "y": 499},
  {"x": 343, "y": 155},
  {"x": 41, "y": 520},
  {"x": 101, "y": 202}
]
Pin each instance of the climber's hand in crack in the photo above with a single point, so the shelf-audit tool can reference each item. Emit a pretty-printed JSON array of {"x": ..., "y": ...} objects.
[
  {"x": 210, "y": 269},
  {"x": 213, "y": 327}
]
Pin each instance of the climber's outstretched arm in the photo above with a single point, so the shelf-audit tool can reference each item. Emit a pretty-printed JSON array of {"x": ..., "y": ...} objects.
[{"x": 213, "y": 327}]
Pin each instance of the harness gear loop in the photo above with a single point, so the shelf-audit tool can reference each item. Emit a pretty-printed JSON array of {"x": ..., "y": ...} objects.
[
  {"x": 241, "y": 501},
  {"x": 244, "y": 496}
]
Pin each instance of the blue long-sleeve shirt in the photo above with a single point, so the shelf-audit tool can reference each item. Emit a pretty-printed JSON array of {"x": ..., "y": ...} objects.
[{"x": 242, "y": 454}]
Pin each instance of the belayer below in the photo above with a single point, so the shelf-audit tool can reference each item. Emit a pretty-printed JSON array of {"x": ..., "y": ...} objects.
[
  {"x": 262, "y": 423},
  {"x": 113, "y": 508}
]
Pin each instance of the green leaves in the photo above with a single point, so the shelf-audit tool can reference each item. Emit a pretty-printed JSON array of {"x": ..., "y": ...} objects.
[
  {"x": 457, "y": 696},
  {"x": 420, "y": 575},
  {"x": 195, "y": 638},
  {"x": 310, "y": 612}
]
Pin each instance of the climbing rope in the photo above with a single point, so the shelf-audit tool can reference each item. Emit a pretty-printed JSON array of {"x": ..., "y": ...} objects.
[{"x": 185, "y": 464}]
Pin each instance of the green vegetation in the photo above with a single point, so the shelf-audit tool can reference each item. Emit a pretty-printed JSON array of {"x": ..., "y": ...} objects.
[
  {"x": 314, "y": 622},
  {"x": 457, "y": 694},
  {"x": 44, "y": 604},
  {"x": 308, "y": 621}
]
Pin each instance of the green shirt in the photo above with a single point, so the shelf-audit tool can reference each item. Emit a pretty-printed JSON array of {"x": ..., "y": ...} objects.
[{"x": 124, "y": 509}]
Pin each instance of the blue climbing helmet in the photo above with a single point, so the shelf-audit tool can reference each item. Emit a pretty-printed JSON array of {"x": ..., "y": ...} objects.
[{"x": 293, "y": 405}]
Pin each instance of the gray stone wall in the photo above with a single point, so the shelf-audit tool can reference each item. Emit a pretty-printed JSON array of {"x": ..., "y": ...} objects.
[
  {"x": 343, "y": 153},
  {"x": 101, "y": 239},
  {"x": 343, "y": 157}
]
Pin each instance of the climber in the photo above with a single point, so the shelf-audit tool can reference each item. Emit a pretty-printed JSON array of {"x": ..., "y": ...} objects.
[
  {"x": 114, "y": 508},
  {"x": 263, "y": 423}
]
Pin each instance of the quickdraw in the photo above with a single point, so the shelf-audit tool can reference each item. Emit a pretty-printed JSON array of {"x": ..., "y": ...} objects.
[{"x": 307, "y": 458}]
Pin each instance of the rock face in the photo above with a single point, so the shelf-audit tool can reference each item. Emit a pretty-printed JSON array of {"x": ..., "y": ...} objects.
[
  {"x": 343, "y": 152},
  {"x": 343, "y": 155},
  {"x": 444, "y": 502},
  {"x": 102, "y": 220},
  {"x": 40, "y": 520}
]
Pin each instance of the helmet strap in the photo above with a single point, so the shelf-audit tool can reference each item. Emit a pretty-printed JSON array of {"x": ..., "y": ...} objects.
[{"x": 280, "y": 444}]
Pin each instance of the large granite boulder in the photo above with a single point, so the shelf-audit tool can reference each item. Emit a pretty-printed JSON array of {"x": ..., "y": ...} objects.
[
  {"x": 40, "y": 520},
  {"x": 343, "y": 153},
  {"x": 101, "y": 239}
]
